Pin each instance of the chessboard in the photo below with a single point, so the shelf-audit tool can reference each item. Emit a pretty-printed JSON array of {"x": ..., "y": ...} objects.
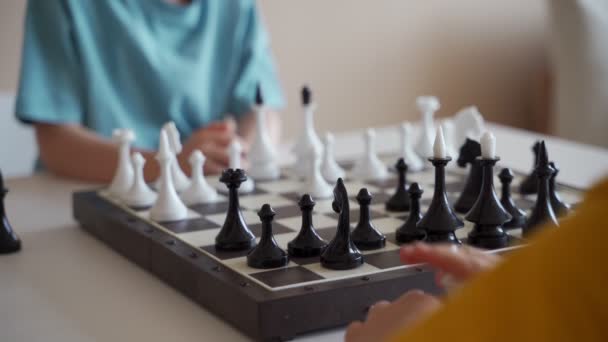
[{"x": 303, "y": 296}]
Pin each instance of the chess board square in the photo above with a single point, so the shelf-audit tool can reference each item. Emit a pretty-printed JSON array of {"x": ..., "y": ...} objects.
[
  {"x": 277, "y": 228},
  {"x": 353, "y": 187},
  {"x": 255, "y": 202},
  {"x": 286, "y": 276},
  {"x": 145, "y": 214},
  {"x": 354, "y": 215},
  {"x": 338, "y": 274},
  {"x": 388, "y": 225},
  {"x": 382, "y": 197},
  {"x": 292, "y": 210},
  {"x": 286, "y": 185},
  {"x": 283, "y": 239},
  {"x": 463, "y": 232},
  {"x": 388, "y": 183},
  {"x": 425, "y": 202},
  {"x": 318, "y": 220},
  {"x": 200, "y": 238},
  {"x": 250, "y": 217},
  {"x": 325, "y": 205},
  {"x": 384, "y": 259},
  {"x": 454, "y": 187},
  {"x": 327, "y": 233},
  {"x": 389, "y": 246},
  {"x": 304, "y": 261},
  {"x": 240, "y": 265},
  {"x": 525, "y": 203},
  {"x": 224, "y": 255},
  {"x": 210, "y": 208},
  {"x": 568, "y": 196},
  {"x": 193, "y": 225}
]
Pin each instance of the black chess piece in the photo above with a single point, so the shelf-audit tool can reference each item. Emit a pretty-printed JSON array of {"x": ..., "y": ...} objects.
[
  {"x": 306, "y": 96},
  {"x": 307, "y": 243},
  {"x": 440, "y": 222},
  {"x": 559, "y": 207},
  {"x": 518, "y": 216},
  {"x": 529, "y": 185},
  {"x": 469, "y": 152},
  {"x": 267, "y": 254},
  {"x": 9, "y": 241},
  {"x": 400, "y": 201},
  {"x": 259, "y": 99},
  {"x": 234, "y": 235},
  {"x": 543, "y": 210},
  {"x": 341, "y": 253},
  {"x": 410, "y": 231},
  {"x": 487, "y": 213},
  {"x": 365, "y": 236}
]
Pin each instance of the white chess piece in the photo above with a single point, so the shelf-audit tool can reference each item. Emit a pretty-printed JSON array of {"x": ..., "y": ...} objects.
[
  {"x": 427, "y": 105},
  {"x": 123, "y": 176},
  {"x": 180, "y": 180},
  {"x": 439, "y": 151},
  {"x": 330, "y": 169},
  {"x": 315, "y": 185},
  {"x": 199, "y": 190},
  {"x": 168, "y": 205},
  {"x": 234, "y": 162},
  {"x": 450, "y": 141},
  {"x": 369, "y": 167},
  {"x": 414, "y": 163},
  {"x": 262, "y": 155},
  {"x": 140, "y": 194},
  {"x": 468, "y": 122},
  {"x": 309, "y": 140}
]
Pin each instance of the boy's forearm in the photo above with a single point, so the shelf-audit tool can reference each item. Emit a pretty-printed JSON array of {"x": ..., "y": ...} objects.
[{"x": 73, "y": 151}]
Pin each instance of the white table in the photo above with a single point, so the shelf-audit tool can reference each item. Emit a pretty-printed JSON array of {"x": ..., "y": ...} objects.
[{"x": 67, "y": 286}]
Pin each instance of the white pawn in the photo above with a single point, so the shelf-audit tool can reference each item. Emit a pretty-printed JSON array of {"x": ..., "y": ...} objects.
[
  {"x": 140, "y": 194},
  {"x": 330, "y": 169},
  {"x": 315, "y": 185},
  {"x": 427, "y": 105},
  {"x": 414, "y": 163},
  {"x": 199, "y": 191},
  {"x": 123, "y": 177},
  {"x": 168, "y": 205},
  {"x": 180, "y": 180},
  {"x": 309, "y": 140},
  {"x": 262, "y": 154},
  {"x": 369, "y": 167},
  {"x": 234, "y": 162}
]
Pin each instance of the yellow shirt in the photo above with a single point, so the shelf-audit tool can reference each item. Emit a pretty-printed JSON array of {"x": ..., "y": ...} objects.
[{"x": 554, "y": 290}]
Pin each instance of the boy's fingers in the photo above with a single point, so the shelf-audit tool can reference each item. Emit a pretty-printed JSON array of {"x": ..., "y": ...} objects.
[
  {"x": 461, "y": 262},
  {"x": 215, "y": 154},
  {"x": 213, "y": 168}
]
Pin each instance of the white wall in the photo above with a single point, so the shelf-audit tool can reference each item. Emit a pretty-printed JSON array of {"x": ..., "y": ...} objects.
[{"x": 368, "y": 60}]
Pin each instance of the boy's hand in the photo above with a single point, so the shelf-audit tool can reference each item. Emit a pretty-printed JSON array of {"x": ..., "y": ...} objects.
[
  {"x": 459, "y": 263},
  {"x": 385, "y": 319},
  {"x": 213, "y": 141}
]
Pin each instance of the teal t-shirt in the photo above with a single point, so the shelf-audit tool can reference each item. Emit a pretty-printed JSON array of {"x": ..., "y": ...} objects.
[{"x": 139, "y": 63}]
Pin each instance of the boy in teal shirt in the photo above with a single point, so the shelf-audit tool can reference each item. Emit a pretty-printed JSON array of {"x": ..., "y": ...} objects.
[{"x": 89, "y": 67}]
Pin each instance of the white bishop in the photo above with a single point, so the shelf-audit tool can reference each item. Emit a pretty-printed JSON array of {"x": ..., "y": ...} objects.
[
  {"x": 330, "y": 169},
  {"x": 262, "y": 155},
  {"x": 427, "y": 105},
  {"x": 180, "y": 180},
  {"x": 315, "y": 185},
  {"x": 309, "y": 140},
  {"x": 369, "y": 167}
]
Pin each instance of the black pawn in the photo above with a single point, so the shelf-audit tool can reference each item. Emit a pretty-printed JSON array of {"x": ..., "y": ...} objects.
[
  {"x": 267, "y": 254},
  {"x": 308, "y": 243},
  {"x": 9, "y": 241},
  {"x": 543, "y": 210},
  {"x": 410, "y": 231},
  {"x": 529, "y": 185},
  {"x": 469, "y": 152},
  {"x": 559, "y": 207},
  {"x": 259, "y": 99},
  {"x": 234, "y": 235},
  {"x": 365, "y": 235},
  {"x": 487, "y": 213},
  {"x": 518, "y": 216},
  {"x": 306, "y": 96},
  {"x": 440, "y": 222},
  {"x": 341, "y": 253},
  {"x": 400, "y": 201}
]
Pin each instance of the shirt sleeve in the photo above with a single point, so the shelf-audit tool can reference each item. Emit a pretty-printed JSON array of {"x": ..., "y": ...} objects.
[
  {"x": 257, "y": 66},
  {"x": 552, "y": 290},
  {"x": 50, "y": 84}
]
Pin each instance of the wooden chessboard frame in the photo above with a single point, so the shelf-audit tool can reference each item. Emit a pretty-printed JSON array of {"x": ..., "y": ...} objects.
[{"x": 263, "y": 314}]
